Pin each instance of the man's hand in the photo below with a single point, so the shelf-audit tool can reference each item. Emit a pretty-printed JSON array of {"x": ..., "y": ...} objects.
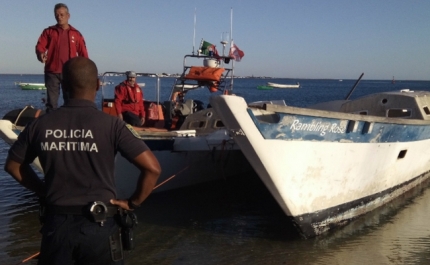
[
  {"x": 120, "y": 116},
  {"x": 142, "y": 121},
  {"x": 121, "y": 203},
  {"x": 42, "y": 57}
]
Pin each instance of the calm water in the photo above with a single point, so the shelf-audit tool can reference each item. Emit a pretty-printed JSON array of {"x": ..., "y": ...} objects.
[{"x": 234, "y": 221}]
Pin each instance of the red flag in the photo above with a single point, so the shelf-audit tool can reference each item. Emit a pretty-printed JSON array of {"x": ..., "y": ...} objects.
[{"x": 235, "y": 52}]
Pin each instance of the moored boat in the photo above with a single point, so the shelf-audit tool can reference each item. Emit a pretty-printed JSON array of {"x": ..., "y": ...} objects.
[
  {"x": 32, "y": 86},
  {"x": 188, "y": 138},
  {"x": 332, "y": 162},
  {"x": 276, "y": 85}
]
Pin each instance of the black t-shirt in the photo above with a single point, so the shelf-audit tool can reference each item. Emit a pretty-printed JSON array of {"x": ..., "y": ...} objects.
[{"x": 76, "y": 145}]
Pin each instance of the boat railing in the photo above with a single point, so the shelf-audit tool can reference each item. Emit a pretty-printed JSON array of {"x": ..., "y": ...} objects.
[
  {"x": 184, "y": 82},
  {"x": 104, "y": 83},
  {"x": 154, "y": 109}
]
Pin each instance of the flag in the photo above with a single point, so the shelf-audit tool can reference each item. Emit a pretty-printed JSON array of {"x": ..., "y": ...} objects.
[
  {"x": 235, "y": 52},
  {"x": 205, "y": 47}
]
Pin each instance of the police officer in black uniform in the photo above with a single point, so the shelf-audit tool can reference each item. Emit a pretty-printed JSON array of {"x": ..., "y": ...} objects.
[{"x": 76, "y": 146}]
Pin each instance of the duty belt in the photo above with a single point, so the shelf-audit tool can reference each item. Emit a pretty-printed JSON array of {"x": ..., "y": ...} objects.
[{"x": 79, "y": 210}]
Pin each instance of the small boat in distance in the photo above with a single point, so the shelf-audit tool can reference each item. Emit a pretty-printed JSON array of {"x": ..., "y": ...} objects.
[
  {"x": 32, "y": 86},
  {"x": 186, "y": 86},
  {"x": 275, "y": 85}
]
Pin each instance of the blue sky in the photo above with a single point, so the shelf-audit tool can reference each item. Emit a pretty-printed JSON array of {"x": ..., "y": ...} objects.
[{"x": 293, "y": 39}]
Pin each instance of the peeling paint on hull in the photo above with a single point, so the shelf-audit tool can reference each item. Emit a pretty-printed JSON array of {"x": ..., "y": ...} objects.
[{"x": 320, "y": 222}]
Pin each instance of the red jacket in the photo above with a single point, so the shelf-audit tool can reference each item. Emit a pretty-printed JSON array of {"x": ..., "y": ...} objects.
[
  {"x": 49, "y": 41},
  {"x": 129, "y": 98}
]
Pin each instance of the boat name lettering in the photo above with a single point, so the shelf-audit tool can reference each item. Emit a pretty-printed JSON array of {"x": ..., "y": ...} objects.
[
  {"x": 79, "y": 133},
  {"x": 321, "y": 127}
]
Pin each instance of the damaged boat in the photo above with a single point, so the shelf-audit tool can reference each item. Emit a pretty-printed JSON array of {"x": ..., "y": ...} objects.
[{"x": 330, "y": 163}]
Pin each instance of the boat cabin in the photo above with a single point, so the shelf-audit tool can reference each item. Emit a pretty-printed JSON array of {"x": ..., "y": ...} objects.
[
  {"x": 405, "y": 104},
  {"x": 400, "y": 104}
]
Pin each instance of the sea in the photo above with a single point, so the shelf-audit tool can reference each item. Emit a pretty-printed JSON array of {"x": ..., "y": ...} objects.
[{"x": 233, "y": 220}]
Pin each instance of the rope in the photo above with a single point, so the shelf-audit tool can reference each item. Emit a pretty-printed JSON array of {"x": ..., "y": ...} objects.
[
  {"x": 224, "y": 142},
  {"x": 174, "y": 175},
  {"x": 21, "y": 112},
  {"x": 29, "y": 258}
]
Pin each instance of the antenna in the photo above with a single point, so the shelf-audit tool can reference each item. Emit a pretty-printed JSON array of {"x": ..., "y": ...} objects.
[
  {"x": 231, "y": 24},
  {"x": 231, "y": 41},
  {"x": 224, "y": 41},
  {"x": 199, "y": 50},
  {"x": 355, "y": 85},
  {"x": 194, "y": 34}
]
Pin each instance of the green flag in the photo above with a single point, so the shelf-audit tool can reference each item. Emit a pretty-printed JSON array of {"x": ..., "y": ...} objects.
[{"x": 206, "y": 47}]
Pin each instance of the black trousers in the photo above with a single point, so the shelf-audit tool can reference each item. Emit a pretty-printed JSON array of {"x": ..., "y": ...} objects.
[
  {"x": 53, "y": 85},
  {"x": 131, "y": 118},
  {"x": 75, "y": 239}
]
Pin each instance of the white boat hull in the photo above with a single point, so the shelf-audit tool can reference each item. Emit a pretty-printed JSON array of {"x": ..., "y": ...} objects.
[
  {"x": 275, "y": 85},
  {"x": 320, "y": 183},
  {"x": 32, "y": 86},
  {"x": 9, "y": 133}
]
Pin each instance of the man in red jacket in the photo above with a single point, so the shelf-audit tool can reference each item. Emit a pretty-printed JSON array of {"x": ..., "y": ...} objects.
[
  {"x": 129, "y": 101},
  {"x": 56, "y": 45}
]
